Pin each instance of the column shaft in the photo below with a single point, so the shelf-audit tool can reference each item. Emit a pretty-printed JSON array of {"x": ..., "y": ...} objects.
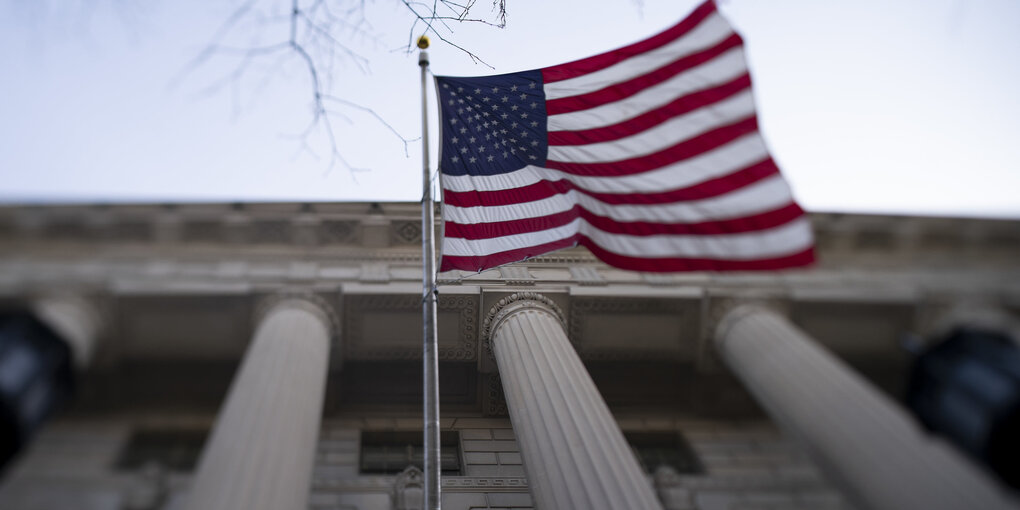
[
  {"x": 262, "y": 449},
  {"x": 574, "y": 453},
  {"x": 869, "y": 445}
]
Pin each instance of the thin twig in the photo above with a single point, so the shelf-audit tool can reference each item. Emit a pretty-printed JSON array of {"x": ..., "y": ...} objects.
[{"x": 316, "y": 33}]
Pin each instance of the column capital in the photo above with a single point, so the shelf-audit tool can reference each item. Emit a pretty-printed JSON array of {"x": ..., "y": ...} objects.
[
  {"x": 300, "y": 300},
  {"x": 738, "y": 311},
  {"x": 511, "y": 304},
  {"x": 937, "y": 315},
  {"x": 516, "y": 302},
  {"x": 79, "y": 320},
  {"x": 717, "y": 310}
]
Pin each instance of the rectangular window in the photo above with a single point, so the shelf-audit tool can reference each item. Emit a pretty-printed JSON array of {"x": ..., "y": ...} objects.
[
  {"x": 173, "y": 449},
  {"x": 390, "y": 452},
  {"x": 654, "y": 449}
]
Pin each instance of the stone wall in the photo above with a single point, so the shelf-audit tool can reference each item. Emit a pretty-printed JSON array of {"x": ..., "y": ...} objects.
[
  {"x": 491, "y": 466},
  {"x": 72, "y": 463},
  {"x": 747, "y": 466}
]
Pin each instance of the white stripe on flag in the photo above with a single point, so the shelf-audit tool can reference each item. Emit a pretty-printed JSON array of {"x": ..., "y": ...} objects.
[
  {"x": 765, "y": 195},
  {"x": 708, "y": 33},
  {"x": 785, "y": 239},
  {"x": 718, "y": 162},
  {"x": 715, "y": 72},
  {"x": 665, "y": 135}
]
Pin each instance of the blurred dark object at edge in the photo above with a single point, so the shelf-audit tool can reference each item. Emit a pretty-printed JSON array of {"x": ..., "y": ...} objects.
[{"x": 965, "y": 386}]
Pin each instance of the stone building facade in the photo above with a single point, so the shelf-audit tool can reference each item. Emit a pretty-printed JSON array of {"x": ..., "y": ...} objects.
[{"x": 268, "y": 356}]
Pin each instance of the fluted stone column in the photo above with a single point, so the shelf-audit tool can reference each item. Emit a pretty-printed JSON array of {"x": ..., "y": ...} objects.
[
  {"x": 75, "y": 319},
  {"x": 262, "y": 449},
  {"x": 574, "y": 454},
  {"x": 867, "y": 443}
]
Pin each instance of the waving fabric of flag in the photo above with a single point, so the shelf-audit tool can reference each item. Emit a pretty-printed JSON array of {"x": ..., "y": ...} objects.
[{"x": 648, "y": 155}]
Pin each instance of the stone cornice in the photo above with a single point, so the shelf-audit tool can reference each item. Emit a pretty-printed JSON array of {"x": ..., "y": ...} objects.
[
  {"x": 516, "y": 302},
  {"x": 391, "y": 232}
]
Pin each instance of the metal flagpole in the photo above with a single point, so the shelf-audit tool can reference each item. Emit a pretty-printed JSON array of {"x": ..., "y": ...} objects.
[{"x": 430, "y": 355}]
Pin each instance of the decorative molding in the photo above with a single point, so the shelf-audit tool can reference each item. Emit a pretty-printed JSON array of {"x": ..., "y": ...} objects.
[
  {"x": 560, "y": 258},
  {"x": 336, "y": 231},
  {"x": 465, "y": 305},
  {"x": 659, "y": 279},
  {"x": 270, "y": 231},
  {"x": 303, "y": 271},
  {"x": 82, "y": 321},
  {"x": 486, "y": 484},
  {"x": 447, "y": 280},
  {"x": 930, "y": 314},
  {"x": 202, "y": 230},
  {"x": 936, "y": 315},
  {"x": 409, "y": 489},
  {"x": 494, "y": 400},
  {"x": 306, "y": 230},
  {"x": 883, "y": 239},
  {"x": 519, "y": 301},
  {"x": 330, "y": 485},
  {"x": 582, "y": 307},
  {"x": 719, "y": 307},
  {"x": 405, "y": 232},
  {"x": 131, "y": 231},
  {"x": 96, "y": 307},
  {"x": 587, "y": 275},
  {"x": 716, "y": 310},
  {"x": 67, "y": 229},
  {"x": 375, "y": 272},
  {"x": 516, "y": 275},
  {"x": 236, "y": 228},
  {"x": 806, "y": 480},
  {"x": 515, "y": 302},
  {"x": 739, "y": 310}
]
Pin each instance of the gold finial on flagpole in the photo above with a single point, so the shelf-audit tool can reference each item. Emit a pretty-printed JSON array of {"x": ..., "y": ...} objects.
[{"x": 423, "y": 42}]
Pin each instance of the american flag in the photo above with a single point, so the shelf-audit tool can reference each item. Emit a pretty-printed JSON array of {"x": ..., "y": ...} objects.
[{"x": 648, "y": 155}]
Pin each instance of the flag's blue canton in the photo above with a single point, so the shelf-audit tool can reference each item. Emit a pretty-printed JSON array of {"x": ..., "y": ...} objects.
[{"x": 492, "y": 124}]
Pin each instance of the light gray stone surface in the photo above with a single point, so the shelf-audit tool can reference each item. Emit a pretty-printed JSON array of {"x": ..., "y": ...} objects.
[
  {"x": 261, "y": 451},
  {"x": 869, "y": 445}
]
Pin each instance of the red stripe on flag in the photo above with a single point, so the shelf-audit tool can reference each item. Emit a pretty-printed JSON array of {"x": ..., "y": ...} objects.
[
  {"x": 592, "y": 64},
  {"x": 630, "y": 87},
  {"x": 467, "y": 263},
  {"x": 651, "y": 265},
  {"x": 654, "y": 117},
  {"x": 761, "y": 221},
  {"x": 545, "y": 189},
  {"x": 686, "y": 149},
  {"x": 669, "y": 265},
  {"x": 475, "y": 231}
]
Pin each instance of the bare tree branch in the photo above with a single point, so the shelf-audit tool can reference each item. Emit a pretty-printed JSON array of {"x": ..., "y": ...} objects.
[
  {"x": 321, "y": 35},
  {"x": 378, "y": 117}
]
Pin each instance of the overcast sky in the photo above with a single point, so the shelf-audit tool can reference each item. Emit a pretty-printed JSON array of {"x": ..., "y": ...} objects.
[{"x": 902, "y": 106}]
